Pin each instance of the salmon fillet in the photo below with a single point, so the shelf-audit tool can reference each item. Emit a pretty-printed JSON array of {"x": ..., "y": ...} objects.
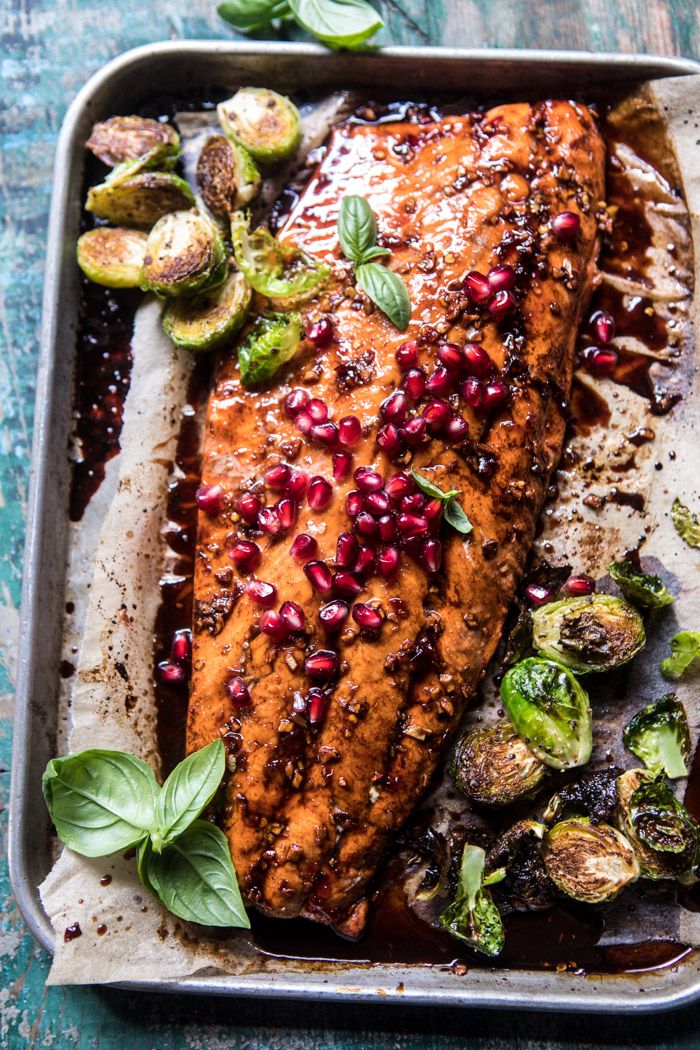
[{"x": 310, "y": 805}]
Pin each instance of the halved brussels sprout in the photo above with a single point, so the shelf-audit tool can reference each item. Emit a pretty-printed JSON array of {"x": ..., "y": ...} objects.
[
  {"x": 271, "y": 342},
  {"x": 227, "y": 176},
  {"x": 659, "y": 735},
  {"x": 494, "y": 765},
  {"x": 268, "y": 125},
  {"x": 112, "y": 256},
  {"x": 272, "y": 267},
  {"x": 210, "y": 318},
  {"x": 589, "y": 862},
  {"x": 124, "y": 138},
  {"x": 550, "y": 710},
  {"x": 183, "y": 252},
  {"x": 685, "y": 650},
  {"x": 595, "y": 633},
  {"x": 662, "y": 832},
  {"x": 472, "y": 916},
  {"x": 522, "y": 835},
  {"x": 140, "y": 199},
  {"x": 642, "y": 588}
]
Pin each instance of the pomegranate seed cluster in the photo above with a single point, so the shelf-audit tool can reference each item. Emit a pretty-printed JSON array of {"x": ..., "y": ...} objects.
[
  {"x": 175, "y": 671},
  {"x": 575, "y": 587},
  {"x": 601, "y": 358}
]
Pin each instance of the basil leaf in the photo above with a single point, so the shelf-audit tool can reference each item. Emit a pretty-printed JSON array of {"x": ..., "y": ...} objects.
[
  {"x": 455, "y": 516},
  {"x": 340, "y": 23},
  {"x": 189, "y": 788},
  {"x": 432, "y": 490},
  {"x": 194, "y": 877},
  {"x": 685, "y": 523},
  {"x": 387, "y": 291},
  {"x": 248, "y": 16},
  {"x": 685, "y": 649},
  {"x": 100, "y": 801},
  {"x": 357, "y": 229}
]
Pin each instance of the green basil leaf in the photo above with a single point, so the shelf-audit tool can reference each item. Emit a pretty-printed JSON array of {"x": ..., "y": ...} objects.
[
  {"x": 387, "y": 291},
  {"x": 100, "y": 801},
  {"x": 340, "y": 23},
  {"x": 249, "y": 16},
  {"x": 432, "y": 490},
  {"x": 357, "y": 229},
  {"x": 455, "y": 516},
  {"x": 194, "y": 877},
  {"x": 374, "y": 253},
  {"x": 189, "y": 788},
  {"x": 685, "y": 523},
  {"x": 685, "y": 649}
]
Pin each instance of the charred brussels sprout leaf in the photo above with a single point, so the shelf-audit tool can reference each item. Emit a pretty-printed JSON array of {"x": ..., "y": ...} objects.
[
  {"x": 595, "y": 633},
  {"x": 112, "y": 256},
  {"x": 662, "y": 832},
  {"x": 139, "y": 200},
  {"x": 271, "y": 342},
  {"x": 264, "y": 123},
  {"x": 589, "y": 862},
  {"x": 519, "y": 639},
  {"x": 227, "y": 176},
  {"x": 273, "y": 268},
  {"x": 592, "y": 795},
  {"x": 685, "y": 649},
  {"x": 126, "y": 138},
  {"x": 642, "y": 588},
  {"x": 685, "y": 523},
  {"x": 493, "y": 765},
  {"x": 472, "y": 916},
  {"x": 550, "y": 710},
  {"x": 211, "y": 318},
  {"x": 183, "y": 253},
  {"x": 659, "y": 735}
]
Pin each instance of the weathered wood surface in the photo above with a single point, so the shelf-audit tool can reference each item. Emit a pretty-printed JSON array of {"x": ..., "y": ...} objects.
[{"x": 48, "y": 48}]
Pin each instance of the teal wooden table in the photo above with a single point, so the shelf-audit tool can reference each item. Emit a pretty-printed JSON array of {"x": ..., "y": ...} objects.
[{"x": 48, "y": 48}]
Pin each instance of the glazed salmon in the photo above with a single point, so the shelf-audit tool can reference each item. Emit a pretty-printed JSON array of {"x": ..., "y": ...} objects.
[{"x": 329, "y": 753}]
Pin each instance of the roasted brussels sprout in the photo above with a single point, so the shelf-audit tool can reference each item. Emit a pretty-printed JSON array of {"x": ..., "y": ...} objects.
[
  {"x": 139, "y": 200},
  {"x": 642, "y": 588},
  {"x": 589, "y": 862},
  {"x": 209, "y": 319},
  {"x": 472, "y": 916},
  {"x": 659, "y": 735},
  {"x": 272, "y": 267},
  {"x": 227, "y": 176},
  {"x": 595, "y": 633},
  {"x": 271, "y": 342},
  {"x": 265, "y": 123},
  {"x": 112, "y": 256},
  {"x": 592, "y": 795},
  {"x": 662, "y": 832},
  {"x": 184, "y": 254},
  {"x": 685, "y": 650},
  {"x": 125, "y": 138},
  {"x": 509, "y": 843},
  {"x": 550, "y": 710},
  {"x": 495, "y": 766}
]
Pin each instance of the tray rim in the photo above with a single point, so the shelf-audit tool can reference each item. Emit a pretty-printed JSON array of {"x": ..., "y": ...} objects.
[{"x": 25, "y": 893}]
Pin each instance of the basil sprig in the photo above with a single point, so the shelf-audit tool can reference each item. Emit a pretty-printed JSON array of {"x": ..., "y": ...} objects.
[
  {"x": 454, "y": 514},
  {"x": 357, "y": 233},
  {"x": 336, "y": 23},
  {"x": 102, "y": 802}
]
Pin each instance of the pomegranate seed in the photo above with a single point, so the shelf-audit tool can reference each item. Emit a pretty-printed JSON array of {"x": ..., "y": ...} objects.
[
  {"x": 346, "y": 550},
  {"x": 303, "y": 547},
  {"x": 440, "y": 382},
  {"x": 277, "y": 478},
  {"x": 317, "y": 410},
  {"x": 407, "y": 355},
  {"x": 399, "y": 485},
  {"x": 367, "y": 616},
  {"x": 238, "y": 691},
  {"x": 387, "y": 527},
  {"x": 333, "y": 615},
  {"x": 477, "y": 286},
  {"x": 394, "y": 408},
  {"x": 476, "y": 361},
  {"x": 433, "y": 510},
  {"x": 411, "y": 524},
  {"x": 181, "y": 647},
  {"x": 269, "y": 522},
  {"x": 297, "y": 484},
  {"x": 318, "y": 705},
  {"x": 295, "y": 401},
  {"x": 261, "y": 593},
  {"x": 320, "y": 333},
  {"x": 248, "y": 506},
  {"x": 245, "y": 555},
  {"x": 399, "y": 607},
  {"x": 287, "y": 512},
  {"x": 319, "y": 575},
  {"x": 366, "y": 525},
  {"x": 209, "y": 498},
  {"x": 457, "y": 428},
  {"x": 354, "y": 503},
  {"x": 501, "y": 278},
  {"x": 450, "y": 356},
  {"x": 389, "y": 441},
  {"x": 579, "y": 586},
  {"x": 431, "y": 555},
  {"x": 349, "y": 431},
  {"x": 600, "y": 362},
  {"x": 603, "y": 325},
  {"x": 293, "y": 616},
  {"x": 413, "y": 503},
  {"x": 320, "y": 492},
  {"x": 325, "y": 433},
  {"x": 368, "y": 480},
  {"x": 501, "y": 304},
  {"x": 322, "y": 664},
  {"x": 171, "y": 674},
  {"x": 366, "y": 560},
  {"x": 304, "y": 422},
  {"x": 538, "y": 594},
  {"x": 414, "y": 383},
  {"x": 377, "y": 502},
  {"x": 345, "y": 583},
  {"x": 413, "y": 431},
  {"x": 388, "y": 562},
  {"x": 413, "y": 545},
  {"x": 272, "y": 624},
  {"x": 473, "y": 392},
  {"x": 437, "y": 415},
  {"x": 495, "y": 394},
  {"x": 342, "y": 464},
  {"x": 566, "y": 225}
]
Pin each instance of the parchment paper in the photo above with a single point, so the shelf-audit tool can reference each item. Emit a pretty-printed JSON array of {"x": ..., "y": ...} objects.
[{"x": 126, "y": 935}]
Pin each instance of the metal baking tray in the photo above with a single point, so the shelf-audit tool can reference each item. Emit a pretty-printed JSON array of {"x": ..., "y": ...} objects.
[{"x": 197, "y": 66}]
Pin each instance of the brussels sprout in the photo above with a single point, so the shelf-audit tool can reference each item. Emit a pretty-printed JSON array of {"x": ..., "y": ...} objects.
[
  {"x": 227, "y": 176},
  {"x": 112, "y": 256},
  {"x": 524, "y": 833},
  {"x": 592, "y": 795},
  {"x": 642, "y": 588},
  {"x": 589, "y": 862},
  {"x": 685, "y": 649},
  {"x": 140, "y": 199},
  {"x": 550, "y": 710},
  {"x": 271, "y": 342},
  {"x": 183, "y": 252},
  {"x": 495, "y": 766},
  {"x": 595, "y": 633},
  {"x": 659, "y": 735},
  {"x": 210, "y": 318},
  {"x": 124, "y": 138},
  {"x": 472, "y": 916},
  {"x": 273, "y": 268},
  {"x": 268, "y": 125},
  {"x": 662, "y": 832}
]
